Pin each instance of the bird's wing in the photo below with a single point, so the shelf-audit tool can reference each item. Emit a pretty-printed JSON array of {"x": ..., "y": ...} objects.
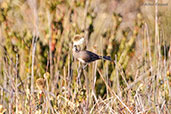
[{"x": 88, "y": 56}]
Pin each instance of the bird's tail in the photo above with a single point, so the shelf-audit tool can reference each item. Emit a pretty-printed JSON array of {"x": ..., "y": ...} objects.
[{"x": 106, "y": 58}]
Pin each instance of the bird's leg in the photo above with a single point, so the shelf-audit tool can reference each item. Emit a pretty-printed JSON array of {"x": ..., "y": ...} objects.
[
  {"x": 79, "y": 67},
  {"x": 84, "y": 66}
]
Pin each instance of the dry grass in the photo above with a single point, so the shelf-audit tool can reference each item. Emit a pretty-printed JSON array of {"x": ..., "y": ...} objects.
[{"x": 39, "y": 74}]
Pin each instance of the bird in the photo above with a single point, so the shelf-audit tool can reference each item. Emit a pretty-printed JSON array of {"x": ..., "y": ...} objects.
[{"x": 85, "y": 56}]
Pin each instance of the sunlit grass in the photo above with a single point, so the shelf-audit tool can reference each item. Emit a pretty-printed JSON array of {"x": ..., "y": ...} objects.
[{"x": 39, "y": 74}]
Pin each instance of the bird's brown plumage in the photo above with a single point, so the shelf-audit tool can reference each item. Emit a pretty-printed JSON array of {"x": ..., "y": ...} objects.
[{"x": 87, "y": 56}]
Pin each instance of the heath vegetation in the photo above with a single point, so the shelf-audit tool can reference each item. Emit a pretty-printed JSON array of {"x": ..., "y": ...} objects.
[{"x": 38, "y": 74}]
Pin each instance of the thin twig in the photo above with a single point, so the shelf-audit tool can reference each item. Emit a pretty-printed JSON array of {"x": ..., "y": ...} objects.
[
  {"x": 113, "y": 93},
  {"x": 32, "y": 68},
  {"x": 138, "y": 79},
  {"x": 85, "y": 21},
  {"x": 50, "y": 45}
]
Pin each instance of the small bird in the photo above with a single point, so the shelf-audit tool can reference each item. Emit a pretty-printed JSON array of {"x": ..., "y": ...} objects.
[{"x": 85, "y": 56}]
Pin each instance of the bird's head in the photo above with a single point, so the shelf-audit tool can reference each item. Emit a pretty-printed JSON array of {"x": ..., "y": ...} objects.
[{"x": 78, "y": 40}]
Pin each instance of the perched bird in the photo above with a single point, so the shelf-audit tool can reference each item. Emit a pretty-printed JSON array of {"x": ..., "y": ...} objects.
[{"x": 85, "y": 56}]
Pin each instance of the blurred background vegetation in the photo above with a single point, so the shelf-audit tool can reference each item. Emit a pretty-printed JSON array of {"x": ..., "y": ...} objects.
[{"x": 38, "y": 73}]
